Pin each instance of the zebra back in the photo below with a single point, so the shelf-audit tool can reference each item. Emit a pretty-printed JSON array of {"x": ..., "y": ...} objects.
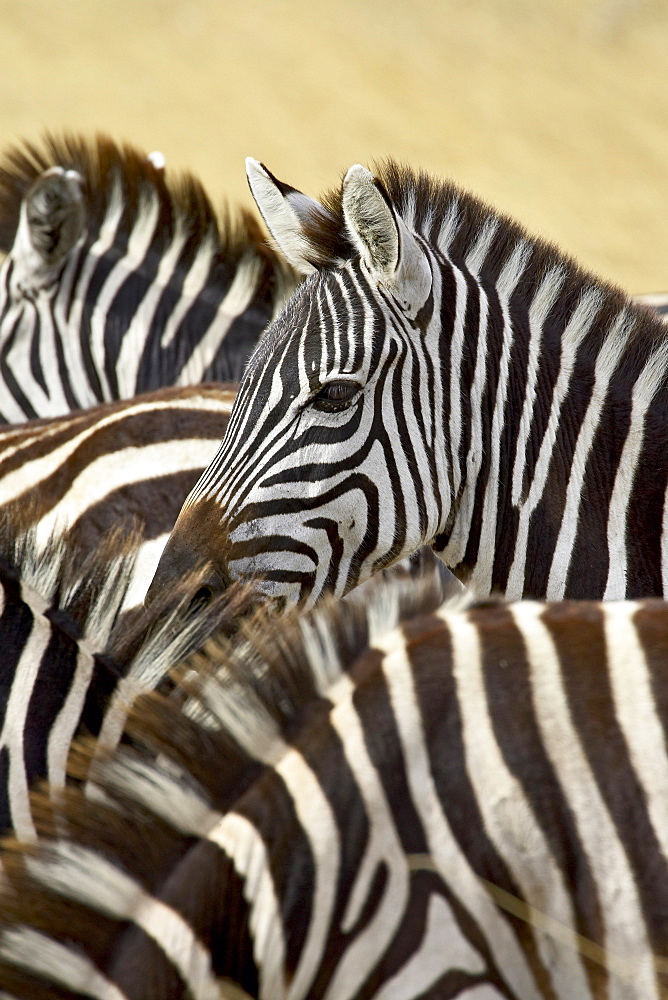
[
  {"x": 120, "y": 278},
  {"x": 400, "y": 799},
  {"x": 126, "y": 465}
]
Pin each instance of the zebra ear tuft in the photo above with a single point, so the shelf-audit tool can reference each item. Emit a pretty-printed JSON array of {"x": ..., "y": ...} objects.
[
  {"x": 287, "y": 213},
  {"x": 390, "y": 251}
]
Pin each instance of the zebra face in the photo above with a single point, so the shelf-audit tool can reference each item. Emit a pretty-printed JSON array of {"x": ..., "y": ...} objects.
[{"x": 314, "y": 487}]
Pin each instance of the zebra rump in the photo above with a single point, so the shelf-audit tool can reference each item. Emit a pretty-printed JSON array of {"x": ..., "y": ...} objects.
[
  {"x": 120, "y": 278},
  {"x": 393, "y": 800}
]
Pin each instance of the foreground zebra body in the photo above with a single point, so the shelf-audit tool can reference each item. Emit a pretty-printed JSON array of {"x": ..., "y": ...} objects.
[
  {"x": 472, "y": 804},
  {"x": 126, "y": 465},
  {"x": 118, "y": 281},
  {"x": 440, "y": 378}
]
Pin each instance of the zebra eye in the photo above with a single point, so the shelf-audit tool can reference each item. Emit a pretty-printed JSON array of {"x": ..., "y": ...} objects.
[{"x": 334, "y": 396}]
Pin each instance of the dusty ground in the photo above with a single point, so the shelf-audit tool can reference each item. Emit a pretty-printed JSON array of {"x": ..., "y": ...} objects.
[{"x": 554, "y": 110}]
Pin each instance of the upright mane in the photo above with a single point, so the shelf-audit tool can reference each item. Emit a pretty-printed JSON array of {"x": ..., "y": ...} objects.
[
  {"x": 454, "y": 219},
  {"x": 113, "y": 172},
  {"x": 275, "y": 670}
]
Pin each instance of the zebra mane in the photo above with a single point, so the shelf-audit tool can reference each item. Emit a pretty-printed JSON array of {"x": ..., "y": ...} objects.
[
  {"x": 188, "y": 758},
  {"x": 244, "y": 696},
  {"x": 453, "y": 219},
  {"x": 110, "y": 170},
  {"x": 83, "y": 596}
]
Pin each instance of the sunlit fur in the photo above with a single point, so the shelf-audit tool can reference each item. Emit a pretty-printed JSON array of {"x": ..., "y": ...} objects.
[
  {"x": 395, "y": 799},
  {"x": 517, "y": 423},
  {"x": 158, "y": 290}
]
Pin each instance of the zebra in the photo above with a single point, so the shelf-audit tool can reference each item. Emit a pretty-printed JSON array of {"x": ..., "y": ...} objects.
[
  {"x": 69, "y": 661},
  {"x": 126, "y": 465},
  {"x": 402, "y": 799},
  {"x": 120, "y": 279},
  {"x": 440, "y": 378}
]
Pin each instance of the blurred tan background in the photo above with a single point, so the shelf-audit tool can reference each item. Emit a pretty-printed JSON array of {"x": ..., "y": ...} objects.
[{"x": 554, "y": 110}]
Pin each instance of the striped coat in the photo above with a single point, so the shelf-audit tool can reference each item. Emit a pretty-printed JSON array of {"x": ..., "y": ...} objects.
[
  {"x": 120, "y": 278},
  {"x": 440, "y": 378},
  {"x": 405, "y": 800},
  {"x": 68, "y": 659},
  {"x": 125, "y": 466}
]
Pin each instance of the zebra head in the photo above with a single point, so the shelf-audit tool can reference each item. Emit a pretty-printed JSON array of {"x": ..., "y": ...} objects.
[{"x": 316, "y": 444}]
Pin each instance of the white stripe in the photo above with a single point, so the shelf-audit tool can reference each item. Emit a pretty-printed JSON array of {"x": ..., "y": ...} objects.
[
  {"x": 456, "y": 548},
  {"x": 647, "y": 385},
  {"x": 474, "y": 260},
  {"x": 541, "y": 305},
  {"x": 122, "y": 468},
  {"x": 82, "y": 875},
  {"x": 481, "y": 578},
  {"x": 442, "y": 845},
  {"x": 624, "y": 934},
  {"x": 68, "y": 718},
  {"x": 235, "y": 303},
  {"x": 636, "y": 712},
  {"x": 135, "y": 335},
  {"x": 608, "y": 359},
  {"x": 507, "y": 814},
  {"x": 383, "y": 848},
  {"x": 193, "y": 283},
  {"x": 140, "y": 239},
  {"x": 101, "y": 246},
  {"x": 32, "y": 472},
  {"x": 243, "y": 845},
  {"x": 14, "y": 726},
  {"x": 442, "y": 948},
  {"x": 319, "y": 825},
  {"x": 576, "y": 330},
  {"x": 41, "y": 956}
]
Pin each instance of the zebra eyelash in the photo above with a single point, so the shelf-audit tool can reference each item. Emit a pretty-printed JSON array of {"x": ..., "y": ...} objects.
[{"x": 335, "y": 396}]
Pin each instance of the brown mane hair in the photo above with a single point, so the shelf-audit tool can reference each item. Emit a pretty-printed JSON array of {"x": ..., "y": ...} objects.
[{"x": 103, "y": 165}]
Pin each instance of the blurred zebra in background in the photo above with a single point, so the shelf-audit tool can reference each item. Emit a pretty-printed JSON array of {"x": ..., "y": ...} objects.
[
  {"x": 120, "y": 279},
  {"x": 396, "y": 800}
]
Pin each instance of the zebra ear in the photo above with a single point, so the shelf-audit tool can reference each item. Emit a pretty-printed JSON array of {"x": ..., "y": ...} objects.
[
  {"x": 390, "y": 251},
  {"x": 286, "y": 211},
  {"x": 51, "y": 223}
]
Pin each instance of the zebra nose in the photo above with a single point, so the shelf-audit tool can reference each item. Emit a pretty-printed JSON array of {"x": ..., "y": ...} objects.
[{"x": 177, "y": 562}]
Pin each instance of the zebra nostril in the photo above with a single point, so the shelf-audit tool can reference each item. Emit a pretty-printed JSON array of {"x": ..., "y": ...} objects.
[
  {"x": 215, "y": 583},
  {"x": 203, "y": 596}
]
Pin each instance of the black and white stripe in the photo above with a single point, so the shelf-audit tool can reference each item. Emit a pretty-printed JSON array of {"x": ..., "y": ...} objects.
[
  {"x": 68, "y": 660},
  {"x": 126, "y": 466},
  {"x": 433, "y": 801},
  {"x": 440, "y": 378},
  {"x": 119, "y": 279}
]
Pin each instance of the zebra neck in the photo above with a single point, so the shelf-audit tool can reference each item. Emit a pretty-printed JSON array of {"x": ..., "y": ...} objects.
[{"x": 538, "y": 447}]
